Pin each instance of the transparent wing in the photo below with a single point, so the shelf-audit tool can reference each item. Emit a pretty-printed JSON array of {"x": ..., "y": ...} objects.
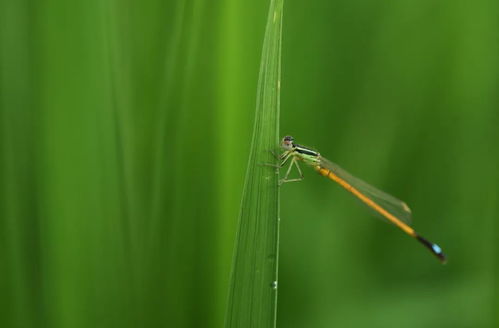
[{"x": 391, "y": 204}]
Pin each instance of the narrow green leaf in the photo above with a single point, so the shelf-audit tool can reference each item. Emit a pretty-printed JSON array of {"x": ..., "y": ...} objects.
[{"x": 253, "y": 288}]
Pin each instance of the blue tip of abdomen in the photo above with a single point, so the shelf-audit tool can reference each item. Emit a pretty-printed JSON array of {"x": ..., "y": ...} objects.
[{"x": 436, "y": 249}]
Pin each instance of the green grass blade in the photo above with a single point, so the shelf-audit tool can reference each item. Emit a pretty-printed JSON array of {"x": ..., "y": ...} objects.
[{"x": 253, "y": 288}]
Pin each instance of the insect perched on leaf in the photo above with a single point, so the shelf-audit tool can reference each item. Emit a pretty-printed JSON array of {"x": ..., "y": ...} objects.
[{"x": 388, "y": 207}]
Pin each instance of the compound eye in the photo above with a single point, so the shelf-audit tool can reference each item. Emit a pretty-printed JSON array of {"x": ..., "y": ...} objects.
[{"x": 287, "y": 142}]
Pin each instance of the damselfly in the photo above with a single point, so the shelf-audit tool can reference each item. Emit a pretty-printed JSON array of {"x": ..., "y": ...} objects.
[{"x": 388, "y": 207}]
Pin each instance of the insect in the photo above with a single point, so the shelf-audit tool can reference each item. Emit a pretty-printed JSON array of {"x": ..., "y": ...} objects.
[{"x": 388, "y": 207}]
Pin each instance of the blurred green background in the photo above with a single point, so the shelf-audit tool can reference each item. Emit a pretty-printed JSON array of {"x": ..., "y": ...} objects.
[{"x": 125, "y": 131}]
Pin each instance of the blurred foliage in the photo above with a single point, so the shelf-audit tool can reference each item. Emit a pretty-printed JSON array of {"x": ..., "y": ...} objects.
[{"x": 124, "y": 138}]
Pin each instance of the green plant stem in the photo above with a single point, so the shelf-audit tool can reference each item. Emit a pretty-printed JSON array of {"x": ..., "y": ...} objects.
[{"x": 253, "y": 287}]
